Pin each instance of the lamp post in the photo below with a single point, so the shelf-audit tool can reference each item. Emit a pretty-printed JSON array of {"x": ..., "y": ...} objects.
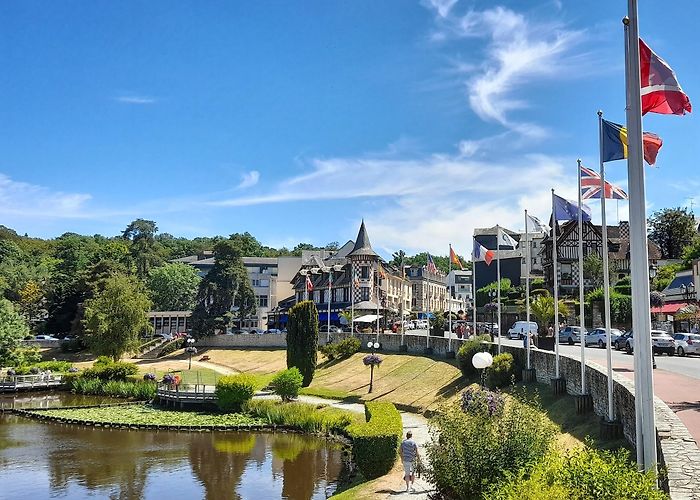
[
  {"x": 372, "y": 345},
  {"x": 481, "y": 361},
  {"x": 492, "y": 295},
  {"x": 190, "y": 349}
]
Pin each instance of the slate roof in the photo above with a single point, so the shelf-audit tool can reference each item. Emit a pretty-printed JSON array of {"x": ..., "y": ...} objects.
[{"x": 362, "y": 244}]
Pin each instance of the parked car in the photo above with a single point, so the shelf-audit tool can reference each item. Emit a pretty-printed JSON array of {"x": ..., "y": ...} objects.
[
  {"x": 44, "y": 337},
  {"x": 599, "y": 337},
  {"x": 661, "y": 343},
  {"x": 621, "y": 342},
  {"x": 165, "y": 336},
  {"x": 571, "y": 334},
  {"x": 687, "y": 343},
  {"x": 325, "y": 329},
  {"x": 274, "y": 331},
  {"x": 519, "y": 329}
]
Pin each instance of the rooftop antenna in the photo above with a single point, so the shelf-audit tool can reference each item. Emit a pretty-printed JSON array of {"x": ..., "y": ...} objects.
[{"x": 692, "y": 204}]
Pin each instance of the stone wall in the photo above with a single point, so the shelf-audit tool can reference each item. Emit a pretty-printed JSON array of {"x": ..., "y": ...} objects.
[{"x": 243, "y": 341}]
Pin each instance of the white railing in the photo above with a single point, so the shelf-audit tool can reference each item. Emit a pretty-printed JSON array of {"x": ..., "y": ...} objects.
[{"x": 30, "y": 381}]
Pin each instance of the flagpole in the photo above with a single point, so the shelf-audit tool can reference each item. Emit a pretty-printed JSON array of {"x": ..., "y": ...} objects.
[
  {"x": 639, "y": 256},
  {"x": 582, "y": 321},
  {"x": 555, "y": 274},
  {"x": 427, "y": 307},
  {"x": 527, "y": 291},
  {"x": 330, "y": 285},
  {"x": 449, "y": 303},
  {"x": 473, "y": 289},
  {"x": 606, "y": 272},
  {"x": 498, "y": 273},
  {"x": 352, "y": 301},
  {"x": 377, "y": 285},
  {"x": 402, "y": 299}
]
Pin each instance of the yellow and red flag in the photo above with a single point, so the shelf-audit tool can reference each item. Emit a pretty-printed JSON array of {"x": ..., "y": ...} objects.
[{"x": 455, "y": 259}]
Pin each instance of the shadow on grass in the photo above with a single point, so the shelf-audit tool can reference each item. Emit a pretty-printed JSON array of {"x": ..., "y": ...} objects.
[
  {"x": 562, "y": 411},
  {"x": 451, "y": 389}
]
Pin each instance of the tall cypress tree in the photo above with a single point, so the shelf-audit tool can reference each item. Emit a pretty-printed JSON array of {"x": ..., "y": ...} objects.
[{"x": 302, "y": 339}]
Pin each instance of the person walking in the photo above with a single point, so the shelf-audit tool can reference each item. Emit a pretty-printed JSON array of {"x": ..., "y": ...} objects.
[{"x": 409, "y": 457}]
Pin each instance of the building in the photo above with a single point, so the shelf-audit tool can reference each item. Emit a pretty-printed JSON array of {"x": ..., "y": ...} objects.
[
  {"x": 459, "y": 284},
  {"x": 535, "y": 243},
  {"x": 354, "y": 276},
  {"x": 567, "y": 253},
  {"x": 511, "y": 259},
  {"x": 270, "y": 278},
  {"x": 429, "y": 290}
]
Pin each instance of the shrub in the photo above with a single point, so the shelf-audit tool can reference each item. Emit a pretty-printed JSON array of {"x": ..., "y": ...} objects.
[
  {"x": 372, "y": 359},
  {"x": 375, "y": 442},
  {"x": 234, "y": 390},
  {"x": 470, "y": 451},
  {"x": 478, "y": 401},
  {"x": 303, "y": 416},
  {"x": 287, "y": 383},
  {"x": 329, "y": 351},
  {"x": 467, "y": 350},
  {"x": 111, "y": 370},
  {"x": 502, "y": 371},
  {"x": 71, "y": 345},
  {"x": 140, "y": 390},
  {"x": 581, "y": 474},
  {"x": 55, "y": 366},
  {"x": 302, "y": 339},
  {"x": 341, "y": 350}
]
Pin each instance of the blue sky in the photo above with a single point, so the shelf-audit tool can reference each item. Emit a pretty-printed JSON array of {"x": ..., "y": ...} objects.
[{"x": 294, "y": 120}]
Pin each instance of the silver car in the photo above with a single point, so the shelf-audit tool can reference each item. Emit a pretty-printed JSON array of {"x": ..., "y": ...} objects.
[
  {"x": 599, "y": 337},
  {"x": 661, "y": 342},
  {"x": 687, "y": 343}
]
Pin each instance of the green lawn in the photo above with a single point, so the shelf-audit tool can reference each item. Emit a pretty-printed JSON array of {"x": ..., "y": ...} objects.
[{"x": 204, "y": 376}]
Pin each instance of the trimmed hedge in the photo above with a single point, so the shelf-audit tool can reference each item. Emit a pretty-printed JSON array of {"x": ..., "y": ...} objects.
[
  {"x": 467, "y": 351},
  {"x": 111, "y": 370},
  {"x": 232, "y": 391},
  {"x": 375, "y": 443}
]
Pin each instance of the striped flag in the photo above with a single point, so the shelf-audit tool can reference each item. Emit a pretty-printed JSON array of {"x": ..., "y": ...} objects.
[
  {"x": 661, "y": 92},
  {"x": 309, "y": 285},
  {"x": 483, "y": 253},
  {"x": 455, "y": 259},
  {"x": 590, "y": 187},
  {"x": 431, "y": 265}
]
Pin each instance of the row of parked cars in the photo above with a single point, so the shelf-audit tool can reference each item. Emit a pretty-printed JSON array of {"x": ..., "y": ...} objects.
[{"x": 662, "y": 342}]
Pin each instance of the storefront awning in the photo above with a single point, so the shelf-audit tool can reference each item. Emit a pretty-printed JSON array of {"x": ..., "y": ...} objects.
[{"x": 367, "y": 318}]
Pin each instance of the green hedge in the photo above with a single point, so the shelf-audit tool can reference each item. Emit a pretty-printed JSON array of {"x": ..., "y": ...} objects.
[
  {"x": 232, "y": 391},
  {"x": 286, "y": 384},
  {"x": 141, "y": 390},
  {"x": 375, "y": 443},
  {"x": 111, "y": 370},
  {"x": 341, "y": 350},
  {"x": 501, "y": 372},
  {"x": 467, "y": 351}
]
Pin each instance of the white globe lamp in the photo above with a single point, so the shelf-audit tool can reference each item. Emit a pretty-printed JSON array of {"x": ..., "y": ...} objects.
[{"x": 482, "y": 360}]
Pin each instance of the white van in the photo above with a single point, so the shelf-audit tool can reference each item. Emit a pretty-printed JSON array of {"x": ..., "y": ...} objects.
[{"x": 517, "y": 331}]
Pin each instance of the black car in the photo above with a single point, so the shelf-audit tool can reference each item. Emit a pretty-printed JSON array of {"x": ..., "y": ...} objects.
[{"x": 621, "y": 341}]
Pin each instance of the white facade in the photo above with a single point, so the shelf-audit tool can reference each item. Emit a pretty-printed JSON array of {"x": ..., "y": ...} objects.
[
  {"x": 535, "y": 244},
  {"x": 459, "y": 285}
]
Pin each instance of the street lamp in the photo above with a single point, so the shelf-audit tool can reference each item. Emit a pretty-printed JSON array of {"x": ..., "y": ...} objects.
[
  {"x": 190, "y": 349},
  {"x": 492, "y": 295},
  {"x": 373, "y": 346},
  {"x": 652, "y": 271}
]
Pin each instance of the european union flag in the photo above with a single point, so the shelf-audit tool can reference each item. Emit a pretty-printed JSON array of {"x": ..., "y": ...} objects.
[{"x": 568, "y": 210}]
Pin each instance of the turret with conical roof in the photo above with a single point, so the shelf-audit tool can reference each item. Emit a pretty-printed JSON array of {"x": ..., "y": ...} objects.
[{"x": 362, "y": 244}]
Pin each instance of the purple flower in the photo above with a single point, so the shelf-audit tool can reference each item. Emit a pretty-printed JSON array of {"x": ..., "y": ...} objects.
[
  {"x": 151, "y": 376},
  {"x": 478, "y": 401},
  {"x": 72, "y": 369},
  {"x": 371, "y": 359},
  {"x": 168, "y": 379}
]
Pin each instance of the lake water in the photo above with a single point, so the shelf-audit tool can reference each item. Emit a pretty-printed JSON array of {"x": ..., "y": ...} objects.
[{"x": 52, "y": 460}]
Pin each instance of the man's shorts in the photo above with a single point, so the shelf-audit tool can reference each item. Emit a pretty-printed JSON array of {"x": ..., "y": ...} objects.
[{"x": 408, "y": 468}]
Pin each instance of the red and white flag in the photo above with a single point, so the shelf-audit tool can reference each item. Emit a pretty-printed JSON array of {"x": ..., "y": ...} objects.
[
  {"x": 309, "y": 285},
  {"x": 661, "y": 92}
]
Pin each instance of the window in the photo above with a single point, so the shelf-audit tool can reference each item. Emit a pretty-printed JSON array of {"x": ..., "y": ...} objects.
[
  {"x": 321, "y": 296},
  {"x": 364, "y": 272},
  {"x": 364, "y": 293},
  {"x": 262, "y": 300},
  {"x": 264, "y": 283},
  {"x": 346, "y": 294},
  {"x": 255, "y": 282}
]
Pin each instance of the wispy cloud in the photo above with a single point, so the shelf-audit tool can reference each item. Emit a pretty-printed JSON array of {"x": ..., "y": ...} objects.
[
  {"x": 31, "y": 200},
  {"x": 518, "y": 52},
  {"x": 249, "y": 179},
  {"x": 135, "y": 99}
]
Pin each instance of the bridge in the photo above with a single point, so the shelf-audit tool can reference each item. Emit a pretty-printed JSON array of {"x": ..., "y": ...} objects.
[
  {"x": 186, "y": 394},
  {"x": 14, "y": 383}
]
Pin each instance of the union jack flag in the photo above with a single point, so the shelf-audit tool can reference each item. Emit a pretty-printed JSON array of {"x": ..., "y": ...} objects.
[
  {"x": 590, "y": 186},
  {"x": 430, "y": 266}
]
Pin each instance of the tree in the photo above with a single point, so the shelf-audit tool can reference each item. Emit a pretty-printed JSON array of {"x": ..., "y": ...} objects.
[
  {"x": 173, "y": 287},
  {"x": 542, "y": 307},
  {"x": 30, "y": 298},
  {"x": 672, "y": 229},
  {"x": 116, "y": 317},
  {"x": 225, "y": 286},
  {"x": 656, "y": 299},
  {"x": 302, "y": 339},
  {"x": 13, "y": 329},
  {"x": 142, "y": 233},
  {"x": 593, "y": 270},
  {"x": 664, "y": 276}
]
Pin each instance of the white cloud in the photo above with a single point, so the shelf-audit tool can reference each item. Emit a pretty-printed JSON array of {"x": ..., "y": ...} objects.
[
  {"x": 30, "y": 200},
  {"x": 442, "y": 7},
  {"x": 135, "y": 99},
  {"x": 519, "y": 52},
  {"x": 249, "y": 179}
]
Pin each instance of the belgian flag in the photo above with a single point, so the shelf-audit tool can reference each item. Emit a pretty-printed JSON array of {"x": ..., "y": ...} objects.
[{"x": 615, "y": 143}]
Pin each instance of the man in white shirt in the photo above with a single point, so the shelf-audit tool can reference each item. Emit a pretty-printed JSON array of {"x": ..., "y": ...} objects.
[{"x": 409, "y": 455}]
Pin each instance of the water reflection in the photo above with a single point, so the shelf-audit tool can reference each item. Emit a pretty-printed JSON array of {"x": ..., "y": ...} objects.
[{"x": 51, "y": 460}]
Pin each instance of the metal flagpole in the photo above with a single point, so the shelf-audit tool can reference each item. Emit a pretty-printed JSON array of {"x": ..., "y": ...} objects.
[
  {"x": 352, "y": 301},
  {"x": 582, "y": 321},
  {"x": 606, "y": 272},
  {"x": 498, "y": 276},
  {"x": 639, "y": 254},
  {"x": 555, "y": 273},
  {"x": 427, "y": 312},
  {"x": 377, "y": 288},
  {"x": 473, "y": 288},
  {"x": 402, "y": 300},
  {"x": 449, "y": 303},
  {"x": 527, "y": 291}
]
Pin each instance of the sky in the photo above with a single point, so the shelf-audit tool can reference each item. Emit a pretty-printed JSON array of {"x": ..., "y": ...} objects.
[{"x": 296, "y": 120}]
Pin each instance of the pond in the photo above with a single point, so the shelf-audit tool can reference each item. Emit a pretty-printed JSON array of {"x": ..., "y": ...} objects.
[{"x": 53, "y": 460}]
